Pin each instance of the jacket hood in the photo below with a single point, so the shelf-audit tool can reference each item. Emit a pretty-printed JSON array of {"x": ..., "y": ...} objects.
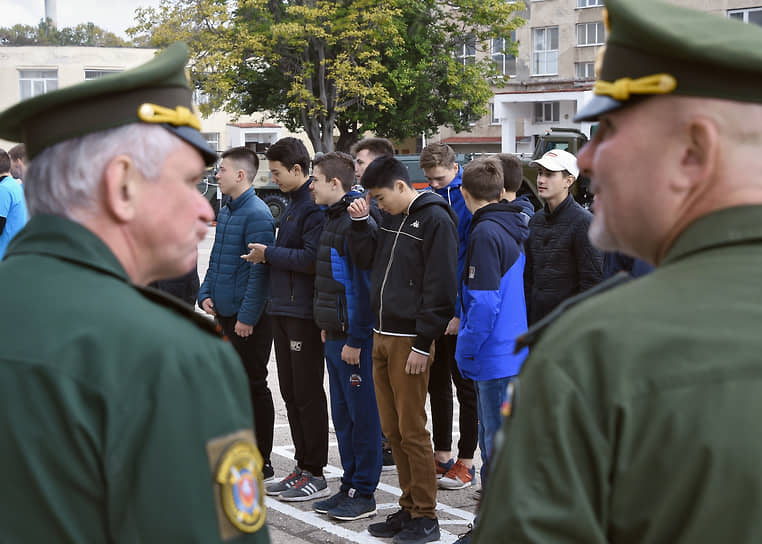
[
  {"x": 428, "y": 198},
  {"x": 526, "y": 206},
  {"x": 509, "y": 215}
]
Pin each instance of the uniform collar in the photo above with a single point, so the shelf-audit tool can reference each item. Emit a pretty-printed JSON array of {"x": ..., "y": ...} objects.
[
  {"x": 64, "y": 239},
  {"x": 735, "y": 225}
]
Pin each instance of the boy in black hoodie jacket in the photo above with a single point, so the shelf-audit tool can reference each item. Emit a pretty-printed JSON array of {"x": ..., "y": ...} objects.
[{"x": 412, "y": 258}]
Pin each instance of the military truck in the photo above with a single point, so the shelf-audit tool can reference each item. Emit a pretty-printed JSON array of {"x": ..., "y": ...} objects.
[
  {"x": 263, "y": 186},
  {"x": 568, "y": 139}
]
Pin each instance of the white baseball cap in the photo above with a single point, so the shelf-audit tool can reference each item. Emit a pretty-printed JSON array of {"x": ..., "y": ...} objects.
[{"x": 556, "y": 160}]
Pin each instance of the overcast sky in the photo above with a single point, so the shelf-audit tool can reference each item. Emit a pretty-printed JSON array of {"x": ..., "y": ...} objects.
[{"x": 113, "y": 15}]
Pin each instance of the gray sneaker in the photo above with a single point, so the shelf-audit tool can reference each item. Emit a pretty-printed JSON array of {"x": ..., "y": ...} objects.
[
  {"x": 306, "y": 488},
  {"x": 286, "y": 483}
]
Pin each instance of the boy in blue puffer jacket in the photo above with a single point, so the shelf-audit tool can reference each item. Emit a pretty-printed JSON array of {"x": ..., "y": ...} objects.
[{"x": 236, "y": 292}]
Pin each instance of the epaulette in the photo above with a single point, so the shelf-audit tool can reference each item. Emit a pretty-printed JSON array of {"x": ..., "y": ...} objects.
[
  {"x": 180, "y": 307},
  {"x": 534, "y": 332}
]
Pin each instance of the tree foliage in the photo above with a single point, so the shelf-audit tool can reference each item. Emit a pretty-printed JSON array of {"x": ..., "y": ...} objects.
[
  {"x": 384, "y": 65},
  {"x": 45, "y": 33}
]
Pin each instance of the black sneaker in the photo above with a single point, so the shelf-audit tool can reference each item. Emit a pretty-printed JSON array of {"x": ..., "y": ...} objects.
[
  {"x": 321, "y": 507},
  {"x": 268, "y": 473},
  {"x": 418, "y": 531},
  {"x": 354, "y": 506},
  {"x": 388, "y": 460},
  {"x": 393, "y": 524}
]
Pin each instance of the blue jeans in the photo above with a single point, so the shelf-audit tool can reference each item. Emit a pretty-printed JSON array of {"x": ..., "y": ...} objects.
[{"x": 490, "y": 395}]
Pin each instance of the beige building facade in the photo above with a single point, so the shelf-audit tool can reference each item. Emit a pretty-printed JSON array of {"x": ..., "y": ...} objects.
[
  {"x": 28, "y": 71},
  {"x": 552, "y": 75}
]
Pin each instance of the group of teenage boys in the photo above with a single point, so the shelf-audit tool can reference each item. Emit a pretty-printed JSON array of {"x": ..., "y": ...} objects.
[{"x": 399, "y": 291}]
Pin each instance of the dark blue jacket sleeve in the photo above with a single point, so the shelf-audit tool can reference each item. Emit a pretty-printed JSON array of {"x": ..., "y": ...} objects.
[
  {"x": 300, "y": 259},
  {"x": 259, "y": 230}
]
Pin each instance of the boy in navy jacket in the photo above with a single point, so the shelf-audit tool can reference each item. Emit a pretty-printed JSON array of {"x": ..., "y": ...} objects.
[
  {"x": 298, "y": 349},
  {"x": 342, "y": 311}
]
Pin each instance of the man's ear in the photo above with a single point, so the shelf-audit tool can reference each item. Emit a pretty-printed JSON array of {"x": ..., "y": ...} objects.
[
  {"x": 121, "y": 188},
  {"x": 336, "y": 184},
  {"x": 700, "y": 155},
  {"x": 297, "y": 170},
  {"x": 400, "y": 186}
]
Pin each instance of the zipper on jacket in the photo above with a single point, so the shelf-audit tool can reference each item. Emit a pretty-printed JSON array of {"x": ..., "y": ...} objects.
[
  {"x": 342, "y": 313},
  {"x": 291, "y": 284},
  {"x": 386, "y": 275}
]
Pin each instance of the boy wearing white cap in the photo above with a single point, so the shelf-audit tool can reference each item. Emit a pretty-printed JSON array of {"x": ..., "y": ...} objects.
[{"x": 561, "y": 261}]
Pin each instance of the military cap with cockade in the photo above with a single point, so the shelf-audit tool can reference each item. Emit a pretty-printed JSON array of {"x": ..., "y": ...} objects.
[
  {"x": 155, "y": 92},
  {"x": 657, "y": 48}
]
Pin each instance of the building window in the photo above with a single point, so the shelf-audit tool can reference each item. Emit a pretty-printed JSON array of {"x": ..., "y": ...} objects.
[
  {"x": 97, "y": 74},
  {"x": 545, "y": 51},
  {"x": 504, "y": 63},
  {"x": 200, "y": 97},
  {"x": 584, "y": 70},
  {"x": 589, "y": 3},
  {"x": 37, "y": 82},
  {"x": 493, "y": 118},
  {"x": 590, "y": 34},
  {"x": 213, "y": 139},
  {"x": 748, "y": 15},
  {"x": 465, "y": 52},
  {"x": 547, "y": 112}
]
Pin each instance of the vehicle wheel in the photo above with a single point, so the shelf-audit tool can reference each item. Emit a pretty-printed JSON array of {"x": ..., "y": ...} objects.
[{"x": 277, "y": 204}]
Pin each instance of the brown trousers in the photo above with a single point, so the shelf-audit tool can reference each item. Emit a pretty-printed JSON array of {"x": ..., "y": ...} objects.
[{"x": 402, "y": 406}]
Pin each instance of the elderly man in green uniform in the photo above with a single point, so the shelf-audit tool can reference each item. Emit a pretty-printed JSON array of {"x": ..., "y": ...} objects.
[
  {"x": 124, "y": 417},
  {"x": 636, "y": 416}
]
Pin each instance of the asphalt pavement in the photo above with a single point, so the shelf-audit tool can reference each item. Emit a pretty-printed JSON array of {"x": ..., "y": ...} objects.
[{"x": 296, "y": 523}]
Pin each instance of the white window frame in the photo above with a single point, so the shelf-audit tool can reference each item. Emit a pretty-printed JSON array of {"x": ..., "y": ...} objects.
[
  {"x": 589, "y": 34},
  {"x": 584, "y": 70},
  {"x": 467, "y": 54},
  {"x": 492, "y": 119},
  {"x": 37, "y": 82},
  {"x": 97, "y": 73},
  {"x": 213, "y": 139},
  {"x": 200, "y": 97},
  {"x": 503, "y": 62},
  {"x": 544, "y": 56},
  {"x": 589, "y": 3},
  {"x": 547, "y": 112},
  {"x": 744, "y": 14}
]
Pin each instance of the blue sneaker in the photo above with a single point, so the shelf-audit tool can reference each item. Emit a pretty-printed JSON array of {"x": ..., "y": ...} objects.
[
  {"x": 353, "y": 506},
  {"x": 322, "y": 507}
]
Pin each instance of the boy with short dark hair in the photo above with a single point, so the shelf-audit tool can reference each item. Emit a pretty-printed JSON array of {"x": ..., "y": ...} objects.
[
  {"x": 413, "y": 260},
  {"x": 298, "y": 349},
  {"x": 493, "y": 312},
  {"x": 342, "y": 311},
  {"x": 513, "y": 176}
]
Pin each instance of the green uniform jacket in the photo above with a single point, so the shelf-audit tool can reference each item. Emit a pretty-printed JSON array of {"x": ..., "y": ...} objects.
[
  {"x": 637, "y": 416},
  {"x": 114, "y": 408}
]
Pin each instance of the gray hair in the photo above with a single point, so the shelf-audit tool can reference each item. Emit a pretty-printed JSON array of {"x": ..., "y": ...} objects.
[{"x": 64, "y": 178}]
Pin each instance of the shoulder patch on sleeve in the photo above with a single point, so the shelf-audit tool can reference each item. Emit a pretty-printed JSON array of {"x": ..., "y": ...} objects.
[{"x": 239, "y": 489}]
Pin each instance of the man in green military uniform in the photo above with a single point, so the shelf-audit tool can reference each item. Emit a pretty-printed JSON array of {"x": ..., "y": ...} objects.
[
  {"x": 636, "y": 416},
  {"x": 124, "y": 417}
]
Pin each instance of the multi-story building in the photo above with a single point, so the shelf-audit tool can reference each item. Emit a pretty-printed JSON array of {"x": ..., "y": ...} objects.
[
  {"x": 28, "y": 71},
  {"x": 553, "y": 73}
]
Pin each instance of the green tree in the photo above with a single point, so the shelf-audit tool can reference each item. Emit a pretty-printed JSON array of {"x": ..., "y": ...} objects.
[
  {"x": 351, "y": 65},
  {"x": 45, "y": 33}
]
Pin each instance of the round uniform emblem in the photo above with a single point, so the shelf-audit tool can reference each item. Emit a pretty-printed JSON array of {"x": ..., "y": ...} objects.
[{"x": 241, "y": 486}]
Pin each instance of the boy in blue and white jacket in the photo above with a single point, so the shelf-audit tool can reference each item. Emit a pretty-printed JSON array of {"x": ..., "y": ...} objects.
[
  {"x": 493, "y": 309},
  {"x": 343, "y": 314}
]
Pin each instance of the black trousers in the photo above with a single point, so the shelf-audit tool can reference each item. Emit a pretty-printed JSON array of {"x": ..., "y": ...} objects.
[
  {"x": 442, "y": 372},
  {"x": 254, "y": 351},
  {"x": 301, "y": 367}
]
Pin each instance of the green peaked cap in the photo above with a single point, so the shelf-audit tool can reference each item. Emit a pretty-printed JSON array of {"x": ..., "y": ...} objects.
[
  {"x": 156, "y": 92},
  {"x": 668, "y": 49}
]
